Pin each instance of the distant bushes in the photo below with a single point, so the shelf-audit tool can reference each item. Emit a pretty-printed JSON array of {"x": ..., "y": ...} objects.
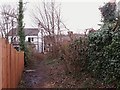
[
  {"x": 32, "y": 54},
  {"x": 38, "y": 56}
]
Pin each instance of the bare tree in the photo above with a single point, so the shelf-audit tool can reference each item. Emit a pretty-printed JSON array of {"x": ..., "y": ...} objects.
[
  {"x": 49, "y": 18},
  {"x": 8, "y": 19}
]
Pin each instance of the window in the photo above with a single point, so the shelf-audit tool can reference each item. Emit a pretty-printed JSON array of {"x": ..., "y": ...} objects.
[
  {"x": 14, "y": 39},
  {"x": 32, "y": 39},
  {"x": 11, "y": 39},
  {"x": 29, "y": 39}
]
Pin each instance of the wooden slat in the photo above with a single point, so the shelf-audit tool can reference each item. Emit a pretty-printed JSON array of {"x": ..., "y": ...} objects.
[
  {"x": 12, "y": 79},
  {"x": 4, "y": 69},
  {"x": 14, "y": 65},
  {"x": 0, "y": 64},
  {"x": 7, "y": 65}
]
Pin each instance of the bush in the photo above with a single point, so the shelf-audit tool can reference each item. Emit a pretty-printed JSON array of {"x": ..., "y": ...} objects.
[
  {"x": 75, "y": 56},
  {"x": 104, "y": 47},
  {"x": 104, "y": 55},
  {"x": 29, "y": 50},
  {"x": 38, "y": 56}
]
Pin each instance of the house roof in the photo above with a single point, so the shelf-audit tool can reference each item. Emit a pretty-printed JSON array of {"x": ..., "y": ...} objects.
[
  {"x": 28, "y": 32},
  {"x": 64, "y": 37}
]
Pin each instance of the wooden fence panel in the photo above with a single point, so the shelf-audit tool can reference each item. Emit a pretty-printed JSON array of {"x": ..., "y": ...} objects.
[{"x": 11, "y": 65}]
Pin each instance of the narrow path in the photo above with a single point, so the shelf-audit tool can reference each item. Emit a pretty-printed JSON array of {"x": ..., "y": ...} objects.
[
  {"x": 51, "y": 74},
  {"x": 35, "y": 76},
  {"x": 46, "y": 74}
]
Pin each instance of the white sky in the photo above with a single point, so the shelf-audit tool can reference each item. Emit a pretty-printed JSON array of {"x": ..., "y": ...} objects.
[{"x": 77, "y": 14}]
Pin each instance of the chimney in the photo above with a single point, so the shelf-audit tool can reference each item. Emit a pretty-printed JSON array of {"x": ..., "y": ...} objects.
[{"x": 70, "y": 33}]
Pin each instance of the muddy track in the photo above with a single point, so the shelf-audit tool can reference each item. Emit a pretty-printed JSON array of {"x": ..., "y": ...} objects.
[
  {"x": 51, "y": 74},
  {"x": 35, "y": 76}
]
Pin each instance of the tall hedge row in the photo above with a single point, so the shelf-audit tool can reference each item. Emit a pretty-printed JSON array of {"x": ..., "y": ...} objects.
[{"x": 104, "y": 49}]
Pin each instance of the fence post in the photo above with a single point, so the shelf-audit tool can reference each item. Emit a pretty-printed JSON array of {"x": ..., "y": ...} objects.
[{"x": 0, "y": 63}]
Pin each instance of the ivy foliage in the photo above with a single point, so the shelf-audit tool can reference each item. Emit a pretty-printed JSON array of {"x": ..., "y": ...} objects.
[
  {"x": 104, "y": 48},
  {"x": 108, "y": 12},
  {"x": 21, "y": 32}
]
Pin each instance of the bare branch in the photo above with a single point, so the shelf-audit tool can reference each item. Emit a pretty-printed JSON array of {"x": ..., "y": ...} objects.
[{"x": 8, "y": 14}]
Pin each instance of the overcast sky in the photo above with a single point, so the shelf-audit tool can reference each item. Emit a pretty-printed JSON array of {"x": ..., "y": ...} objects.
[{"x": 77, "y": 14}]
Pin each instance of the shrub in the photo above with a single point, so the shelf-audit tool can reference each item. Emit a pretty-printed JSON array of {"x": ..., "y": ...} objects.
[
  {"x": 38, "y": 56},
  {"x": 103, "y": 49},
  {"x": 104, "y": 55},
  {"x": 75, "y": 56},
  {"x": 29, "y": 57}
]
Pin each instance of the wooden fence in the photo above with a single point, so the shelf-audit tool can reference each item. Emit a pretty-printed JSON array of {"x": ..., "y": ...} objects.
[{"x": 11, "y": 65}]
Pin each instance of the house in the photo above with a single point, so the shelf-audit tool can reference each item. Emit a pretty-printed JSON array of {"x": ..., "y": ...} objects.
[
  {"x": 63, "y": 39},
  {"x": 32, "y": 36}
]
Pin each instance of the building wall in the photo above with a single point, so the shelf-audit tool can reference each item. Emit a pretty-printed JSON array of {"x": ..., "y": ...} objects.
[
  {"x": 0, "y": 35},
  {"x": 36, "y": 41}
]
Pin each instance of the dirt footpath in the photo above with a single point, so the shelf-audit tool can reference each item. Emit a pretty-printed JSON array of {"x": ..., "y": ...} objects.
[
  {"x": 46, "y": 74},
  {"x": 51, "y": 74},
  {"x": 35, "y": 76}
]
